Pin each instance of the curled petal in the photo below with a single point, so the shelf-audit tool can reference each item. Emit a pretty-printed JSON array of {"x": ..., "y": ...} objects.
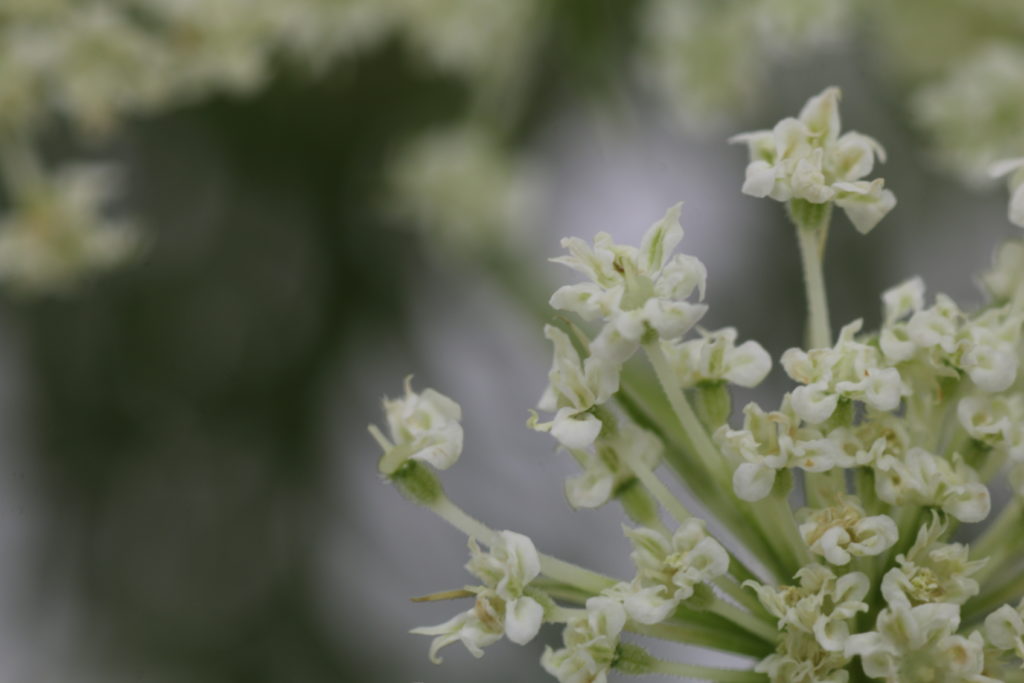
[
  {"x": 752, "y": 482},
  {"x": 523, "y": 618}
]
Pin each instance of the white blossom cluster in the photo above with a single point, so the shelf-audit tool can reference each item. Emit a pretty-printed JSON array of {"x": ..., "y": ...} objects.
[
  {"x": 89, "y": 65},
  {"x": 832, "y": 556},
  {"x": 702, "y": 57},
  {"x": 974, "y": 111}
]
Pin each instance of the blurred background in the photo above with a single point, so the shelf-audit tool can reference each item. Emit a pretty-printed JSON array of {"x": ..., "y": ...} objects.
[{"x": 304, "y": 202}]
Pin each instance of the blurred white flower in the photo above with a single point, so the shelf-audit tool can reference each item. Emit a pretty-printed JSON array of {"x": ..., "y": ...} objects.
[
  {"x": 62, "y": 232},
  {"x": 463, "y": 191}
]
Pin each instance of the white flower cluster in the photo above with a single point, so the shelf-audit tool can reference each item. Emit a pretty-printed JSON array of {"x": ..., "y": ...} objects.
[
  {"x": 891, "y": 437},
  {"x": 973, "y": 111},
  {"x": 815, "y": 618},
  {"x": 606, "y": 466},
  {"x": 502, "y": 606},
  {"x": 844, "y": 531},
  {"x": 997, "y": 422},
  {"x": 944, "y": 339},
  {"x": 702, "y": 58},
  {"x": 423, "y": 427},
  {"x": 931, "y": 571},
  {"x": 669, "y": 569},
  {"x": 461, "y": 188},
  {"x": 62, "y": 231},
  {"x": 635, "y": 292},
  {"x": 911, "y": 644},
  {"x": 574, "y": 388},
  {"x": 775, "y": 441},
  {"x": 850, "y": 371},
  {"x": 590, "y": 643},
  {"x": 94, "y": 64},
  {"x": 805, "y": 158},
  {"x": 715, "y": 357}
]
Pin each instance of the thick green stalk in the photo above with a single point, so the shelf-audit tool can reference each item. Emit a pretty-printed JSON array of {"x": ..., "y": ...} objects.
[
  {"x": 707, "y": 673},
  {"x": 704, "y": 447},
  {"x": 701, "y": 636},
  {"x": 811, "y": 221},
  {"x": 746, "y": 621}
]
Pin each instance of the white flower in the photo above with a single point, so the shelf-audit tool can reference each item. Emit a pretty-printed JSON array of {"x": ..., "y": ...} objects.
[
  {"x": 898, "y": 303},
  {"x": 1015, "y": 169},
  {"x": 477, "y": 39},
  {"x": 1005, "y": 280},
  {"x": 805, "y": 158},
  {"x": 931, "y": 571},
  {"x": 922, "y": 478},
  {"x": 970, "y": 136},
  {"x": 997, "y": 421},
  {"x": 800, "y": 659},
  {"x": 501, "y": 606},
  {"x": 61, "y": 233},
  {"x": 634, "y": 291},
  {"x": 774, "y": 441},
  {"x": 423, "y": 427},
  {"x": 936, "y": 329},
  {"x": 990, "y": 348},
  {"x": 716, "y": 358},
  {"x": 843, "y": 531},
  {"x": 1004, "y": 629},
  {"x": 850, "y": 370},
  {"x": 822, "y": 605},
  {"x": 476, "y": 628},
  {"x": 590, "y": 642},
  {"x": 942, "y": 337},
  {"x": 605, "y": 466},
  {"x": 903, "y": 299},
  {"x": 463, "y": 190},
  {"x": 511, "y": 564},
  {"x": 669, "y": 569},
  {"x": 918, "y": 645},
  {"x": 574, "y": 388}
]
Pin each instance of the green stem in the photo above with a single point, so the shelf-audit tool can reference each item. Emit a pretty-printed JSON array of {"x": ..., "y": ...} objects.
[
  {"x": 995, "y": 534},
  {"x": 701, "y": 636},
  {"x": 557, "y": 569},
  {"x": 811, "y": 222},
  {"x": 675, "y": 507},
  {"x": 980, "y": 605},
  {"x": 775, "y": 515},
  {"x": 736, "y": 592},
  {"x": 997, "y": 543},
  {"x": 573, "y": 574},
  {"x": 705, "y": 448},
  {"x": 748, "y": 622},
  {"x": 457, "y": 517},
  {"x": 677, "y": 451},
  {"x": 707, "y": 673}
]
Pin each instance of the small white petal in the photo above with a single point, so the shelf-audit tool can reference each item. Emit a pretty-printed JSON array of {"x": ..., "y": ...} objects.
[
  {"x": 523, "y": 618},
  {"x": 752, "y": 482}
]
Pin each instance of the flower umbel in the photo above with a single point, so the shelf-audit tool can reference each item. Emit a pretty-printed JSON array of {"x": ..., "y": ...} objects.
[
  {"x": 889, "y": 437},
  {"x": 805, "y": 158}
]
